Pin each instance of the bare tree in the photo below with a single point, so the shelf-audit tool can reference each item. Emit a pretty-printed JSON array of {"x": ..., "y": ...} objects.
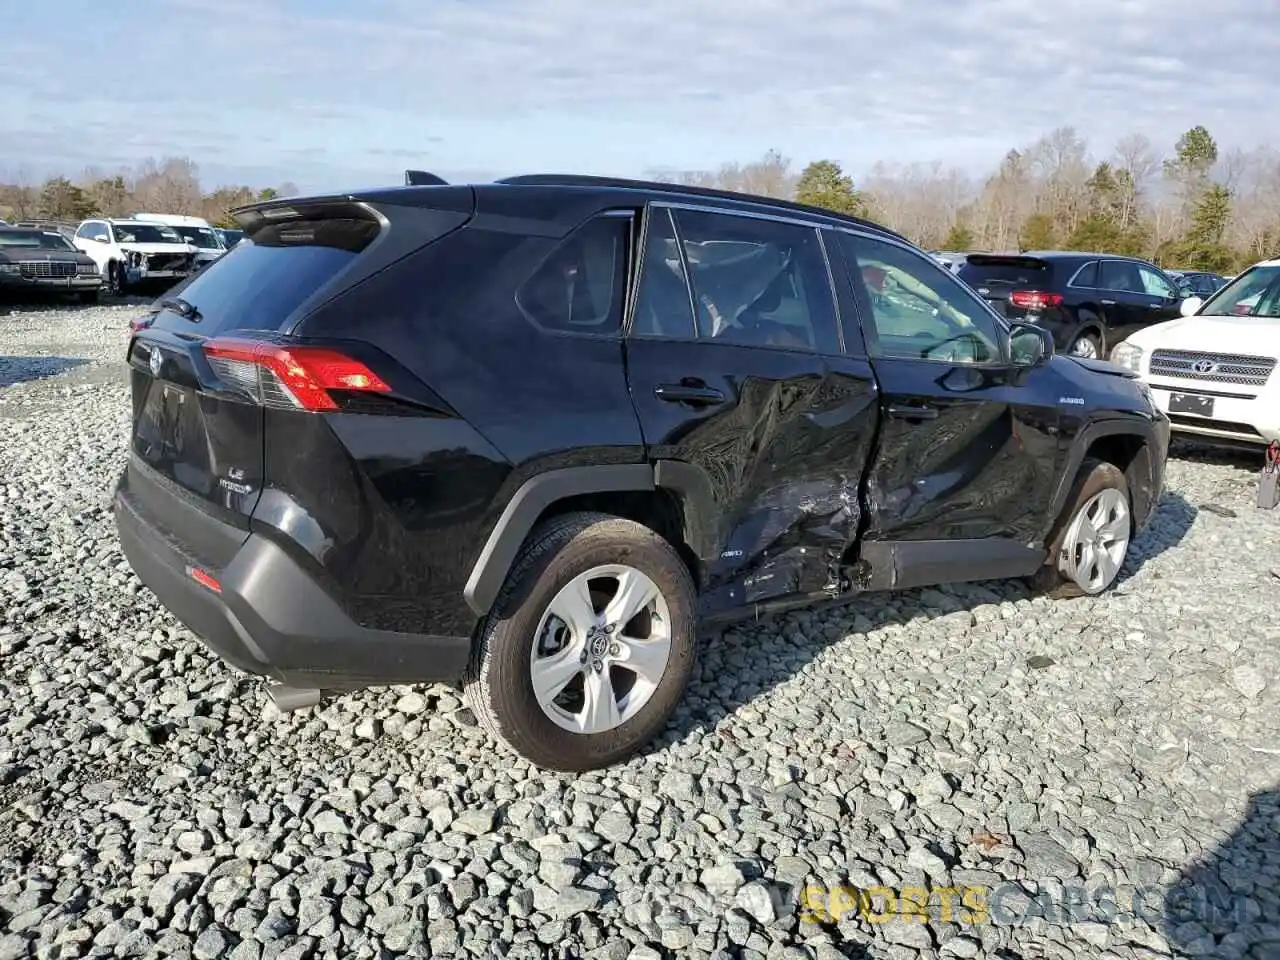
[{"x": 1135, "y": 155}]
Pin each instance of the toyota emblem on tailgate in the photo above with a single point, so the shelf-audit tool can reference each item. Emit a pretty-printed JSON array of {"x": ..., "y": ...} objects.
[{"x": 1204, "y": 366}]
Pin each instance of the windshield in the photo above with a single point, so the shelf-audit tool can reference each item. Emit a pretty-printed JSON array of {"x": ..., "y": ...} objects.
[
  {"x": 1255, "y": 293},
  {"x": 203, "y": 237},
  {"x": 34, "y": 240},
  {"x": 145, "y": 233}
]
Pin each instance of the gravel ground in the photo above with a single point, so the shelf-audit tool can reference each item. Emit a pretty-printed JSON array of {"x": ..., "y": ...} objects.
[{"x": 1026, "y": 750}]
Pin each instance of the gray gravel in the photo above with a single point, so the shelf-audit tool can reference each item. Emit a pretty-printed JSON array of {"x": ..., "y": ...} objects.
[{"x": 151, "y": 804}]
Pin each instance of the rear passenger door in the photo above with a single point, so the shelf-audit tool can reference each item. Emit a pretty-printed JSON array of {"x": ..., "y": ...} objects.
[{"x": 733, "y": 329}]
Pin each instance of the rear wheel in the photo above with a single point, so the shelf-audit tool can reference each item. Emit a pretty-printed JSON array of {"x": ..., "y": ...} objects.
[
  {"x": 1092, "y": 538},
  {"x": 590, "y": 645},
  {"x": 1086, "y": 345}
]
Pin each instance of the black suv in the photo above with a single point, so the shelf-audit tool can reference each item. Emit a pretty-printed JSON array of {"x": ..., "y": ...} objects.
[
  {"x": 1197, "y": 283},
  {"x": 528, "y": 434},
  {"x": 1089, "y": 301}
]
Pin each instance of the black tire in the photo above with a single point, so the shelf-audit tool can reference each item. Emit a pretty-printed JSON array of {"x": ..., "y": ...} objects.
[
  {"x": 498, "y": 685},
  {"x": 113, "y": 280},
  {"x": 1094, "y": 477}
]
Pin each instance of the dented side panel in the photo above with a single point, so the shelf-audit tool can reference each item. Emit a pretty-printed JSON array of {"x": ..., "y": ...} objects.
[
  {"x": 984, "y": 464},
  {"x": 784, "y": 455}
]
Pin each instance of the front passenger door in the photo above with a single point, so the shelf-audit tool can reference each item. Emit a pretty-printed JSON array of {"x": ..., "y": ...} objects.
[
  {"x": 966, "y": 451},
  {"x": 1162, "y": 299}
]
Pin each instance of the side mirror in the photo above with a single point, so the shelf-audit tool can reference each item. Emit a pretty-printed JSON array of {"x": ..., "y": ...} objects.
[
  {"x": 1190, "y": 306},
  {"x": 1029, "y": 345},
  {"x": 99, "y": 237}
]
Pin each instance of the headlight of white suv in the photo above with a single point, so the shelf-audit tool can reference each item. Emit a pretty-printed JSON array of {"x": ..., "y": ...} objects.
[{"x": 1128, "y": 356}]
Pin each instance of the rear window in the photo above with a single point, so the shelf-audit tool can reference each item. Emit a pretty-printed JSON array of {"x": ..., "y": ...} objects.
[
  {"x": 259, "y": 283},
  {"x": 1014, "y": 271}
]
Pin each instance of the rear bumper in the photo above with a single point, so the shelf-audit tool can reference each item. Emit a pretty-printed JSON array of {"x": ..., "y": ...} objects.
[{"x": 268, "y": 616}]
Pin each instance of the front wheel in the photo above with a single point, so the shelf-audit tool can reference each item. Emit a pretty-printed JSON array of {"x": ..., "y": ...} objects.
[
  {"x": 590, "y": 645},
  {"x": 1093, "y": 535},
  {"x": 113, "y": 279}
]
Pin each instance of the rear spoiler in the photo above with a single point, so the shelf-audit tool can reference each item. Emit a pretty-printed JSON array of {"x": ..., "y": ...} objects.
[
  {"x": 421, "y": 178},
  {"x": 1005, "y": 260}
]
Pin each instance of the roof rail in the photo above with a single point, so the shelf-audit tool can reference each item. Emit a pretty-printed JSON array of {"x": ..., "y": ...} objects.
[
  {"x": 421, "y": 178},
  {"x": 622, "y": 183}
]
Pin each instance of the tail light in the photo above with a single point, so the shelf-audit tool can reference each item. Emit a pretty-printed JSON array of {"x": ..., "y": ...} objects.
[
  {"x": 294, "y": 377},
  {"x": 1034, "y": 299}
]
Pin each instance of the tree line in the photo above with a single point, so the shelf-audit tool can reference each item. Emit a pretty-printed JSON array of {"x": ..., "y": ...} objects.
[
  {"x": 1192, "y": 206},
  {"x": 170, "y": 185}
]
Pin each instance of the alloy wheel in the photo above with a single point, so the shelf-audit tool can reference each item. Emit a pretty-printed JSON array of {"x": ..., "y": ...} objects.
[
  {"x": 1085, "y": 347},
  {"x": 1096, "y": 542},
  {"x": 601, "y": 649}
]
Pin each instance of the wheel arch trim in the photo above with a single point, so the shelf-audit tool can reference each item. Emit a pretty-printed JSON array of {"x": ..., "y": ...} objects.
[
  {"x": 1088, "y": 434},
  {"x": 522, "y": 511}
]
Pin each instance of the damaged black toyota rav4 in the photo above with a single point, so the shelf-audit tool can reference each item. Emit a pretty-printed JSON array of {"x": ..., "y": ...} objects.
[{"x": 527, "y": 435}]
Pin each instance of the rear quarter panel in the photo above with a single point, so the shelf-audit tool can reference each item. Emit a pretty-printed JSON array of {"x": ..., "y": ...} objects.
[{"x": 411, "y": 501}]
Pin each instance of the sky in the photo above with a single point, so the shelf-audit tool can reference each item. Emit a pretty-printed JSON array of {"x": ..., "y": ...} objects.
[{"x": 330, "y": 94}]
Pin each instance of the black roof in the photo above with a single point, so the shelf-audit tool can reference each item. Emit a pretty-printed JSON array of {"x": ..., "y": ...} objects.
[
  {"x": 684, "y": 190},
  {"x": 1067, "y": 256},
  {"x": 420, "y": 183}
]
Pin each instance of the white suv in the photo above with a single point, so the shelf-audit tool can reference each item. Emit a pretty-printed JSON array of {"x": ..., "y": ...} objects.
[
  {"x": 1214, "y": 370},
  {"x": 135, "y": 251}
]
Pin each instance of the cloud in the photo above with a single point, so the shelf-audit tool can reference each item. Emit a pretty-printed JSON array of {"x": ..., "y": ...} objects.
[{"x": 512, "y": 85}]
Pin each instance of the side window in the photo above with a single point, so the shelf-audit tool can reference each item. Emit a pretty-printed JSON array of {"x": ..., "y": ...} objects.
[
  {"x": 1154, "y": 284},
  {"x": 662, "y": 297},
  {"x": 1087, "y": 275},
  {"x": 758, "y": 282},
  {"x": 1120, "y": 275},
  {"x": 581, "y": 287},
  {"x": 918, "y": 310}
]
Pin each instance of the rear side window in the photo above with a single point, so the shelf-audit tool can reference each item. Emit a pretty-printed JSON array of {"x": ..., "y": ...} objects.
[
  {"x": 1121, "y": 275},
  {"x": 581, "y": 287},
  {"x": 758, "y": 282},
  {"x": 260, "y": 283},
  {"x": 1087, "y": 276},
  {"x": 1021, "y": 272}
]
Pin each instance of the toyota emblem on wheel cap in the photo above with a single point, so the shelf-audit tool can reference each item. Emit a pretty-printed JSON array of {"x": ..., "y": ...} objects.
[
  {"x": 1204, "y": 366},
  {"x": 155, "y": 362}
]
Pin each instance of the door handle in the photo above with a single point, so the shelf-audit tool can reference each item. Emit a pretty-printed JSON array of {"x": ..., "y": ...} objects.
[
  {"x": 1108, "y": 303},
  {"x": 906, "y": 412},
  {"x": 1155, "y": 306},
  {"x": 698, "y": 394}
]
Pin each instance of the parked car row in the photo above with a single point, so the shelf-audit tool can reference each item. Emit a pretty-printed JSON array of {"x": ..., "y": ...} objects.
[{"x": 116, "y": 254}]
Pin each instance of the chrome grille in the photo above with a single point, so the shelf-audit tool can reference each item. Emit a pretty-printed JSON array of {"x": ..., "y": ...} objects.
[
  {"x": 47, "y": 269},
  {"x": 1215, "y": 367}
]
